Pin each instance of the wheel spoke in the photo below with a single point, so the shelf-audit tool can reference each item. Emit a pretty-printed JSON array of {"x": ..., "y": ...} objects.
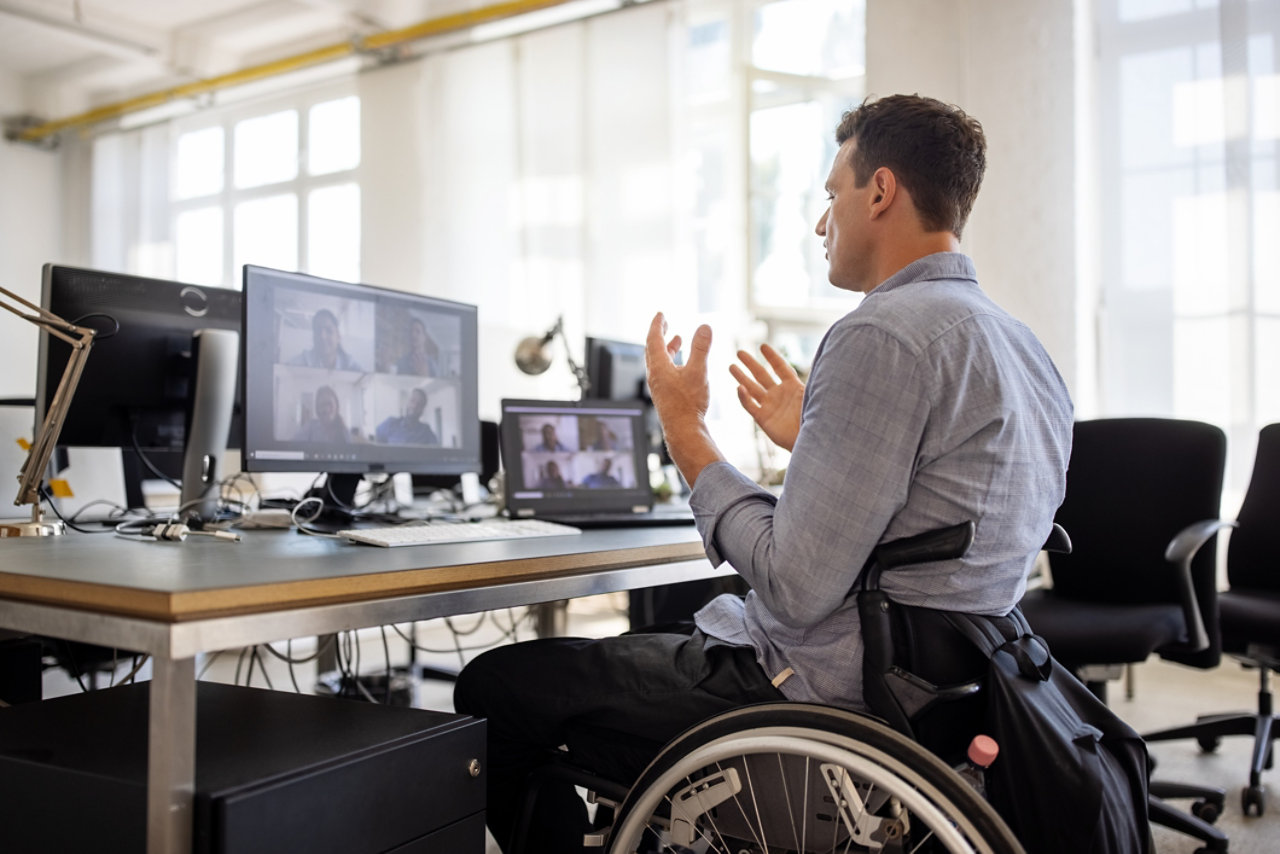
[
  {"x": 890, "y": 796},
  {"x": 786, "y": 796}
]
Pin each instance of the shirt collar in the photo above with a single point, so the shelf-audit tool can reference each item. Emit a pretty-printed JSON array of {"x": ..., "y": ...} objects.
[{"x": 939, "y": 265}]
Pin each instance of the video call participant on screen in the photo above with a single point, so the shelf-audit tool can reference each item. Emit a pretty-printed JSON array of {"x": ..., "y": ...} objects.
[
  {"x": 423, "y": 357},
  {"x": 601, "y": 478},
  {"x": 326, "y": 346},
  {"x": 926, "y": 405},
  {"x": 408, "y": 429},
  {"x": 551, "y": 478},
  {"x": 326, "y": 423},
  {"x": 606, "y": 439},
  {"x": 550, "y": 442}
]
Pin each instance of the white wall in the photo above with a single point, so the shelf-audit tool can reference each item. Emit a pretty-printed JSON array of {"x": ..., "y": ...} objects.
[
  {"x": 1010, "y": 65},
  {"x": 31, "y": 233}
]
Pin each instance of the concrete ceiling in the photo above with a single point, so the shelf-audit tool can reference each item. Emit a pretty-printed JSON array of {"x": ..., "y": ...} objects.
[{"x": 69, "y": 56}]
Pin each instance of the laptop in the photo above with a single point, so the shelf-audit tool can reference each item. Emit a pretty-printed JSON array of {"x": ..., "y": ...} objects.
[{"x": 581, "y": 462}]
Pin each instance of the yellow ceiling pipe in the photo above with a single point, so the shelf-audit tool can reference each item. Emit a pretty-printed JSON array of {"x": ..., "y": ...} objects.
[{"x": 374, "y": 42}]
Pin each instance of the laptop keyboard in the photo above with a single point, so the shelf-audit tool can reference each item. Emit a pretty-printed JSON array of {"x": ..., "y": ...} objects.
[{"x": 428, "y": 533}]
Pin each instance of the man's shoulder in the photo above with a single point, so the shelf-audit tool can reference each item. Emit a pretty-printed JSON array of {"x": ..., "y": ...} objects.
[{"x": 918, "y": 313}]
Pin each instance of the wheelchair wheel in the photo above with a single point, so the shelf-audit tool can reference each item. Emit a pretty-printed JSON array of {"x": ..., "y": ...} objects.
[{"x": 785, "y": 778}]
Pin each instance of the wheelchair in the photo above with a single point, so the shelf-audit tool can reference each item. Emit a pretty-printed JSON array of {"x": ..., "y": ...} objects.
[
  {"x": 797, "y": 778},
  {"x": 793, "y": 777}
]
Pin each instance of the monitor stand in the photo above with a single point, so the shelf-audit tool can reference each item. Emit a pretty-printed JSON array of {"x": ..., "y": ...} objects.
[
  {"x": 338, "y": 492},
  {"x": 216, "y": 353}
]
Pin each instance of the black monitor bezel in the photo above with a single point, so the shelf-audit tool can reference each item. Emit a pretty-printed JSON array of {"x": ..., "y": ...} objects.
[
  {"x": 115, "y": 392},
  {"x": 379, "y": 458}
]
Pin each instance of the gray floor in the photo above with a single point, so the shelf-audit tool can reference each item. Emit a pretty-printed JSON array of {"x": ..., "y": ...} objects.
[
  {"x": 1171, "y": 695},
  {"x": 1165, "y": 695}
]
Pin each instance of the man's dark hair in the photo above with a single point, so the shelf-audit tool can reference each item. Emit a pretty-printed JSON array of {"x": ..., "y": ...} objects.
[{"x": 936, "y": 151}]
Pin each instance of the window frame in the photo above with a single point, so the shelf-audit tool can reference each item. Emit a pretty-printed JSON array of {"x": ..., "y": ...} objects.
[{"x": 229, "y": 197}]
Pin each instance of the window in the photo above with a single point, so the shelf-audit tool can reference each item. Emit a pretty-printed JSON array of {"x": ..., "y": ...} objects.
[
  {"x": 762, "y": 86},
  {"x": 1190, "y": 198},
  {"x": 273, "y": 184},
  {"x": 798, "y": 91}
]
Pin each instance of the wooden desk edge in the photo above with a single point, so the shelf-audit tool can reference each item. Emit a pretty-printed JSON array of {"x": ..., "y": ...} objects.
[{"x": 182, "y": 606}]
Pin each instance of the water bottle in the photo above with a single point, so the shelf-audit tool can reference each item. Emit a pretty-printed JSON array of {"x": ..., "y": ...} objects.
[{"x": 983, "y": 750}]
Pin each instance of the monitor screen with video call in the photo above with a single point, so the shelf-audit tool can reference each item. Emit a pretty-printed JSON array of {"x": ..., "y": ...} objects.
[
  {"x": 354, "y": 379},
  {"x": 574, "y": 456}
]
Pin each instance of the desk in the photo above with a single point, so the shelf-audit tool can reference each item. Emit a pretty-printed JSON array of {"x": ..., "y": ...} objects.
[{"x": 175, "y": 600}]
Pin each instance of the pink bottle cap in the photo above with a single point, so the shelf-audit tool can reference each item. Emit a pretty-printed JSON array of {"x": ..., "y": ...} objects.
[{"x": 983, "y": 750}]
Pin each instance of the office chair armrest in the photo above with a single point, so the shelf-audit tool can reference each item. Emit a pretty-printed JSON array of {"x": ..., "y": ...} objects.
[{"x": 1180, "y": 552}]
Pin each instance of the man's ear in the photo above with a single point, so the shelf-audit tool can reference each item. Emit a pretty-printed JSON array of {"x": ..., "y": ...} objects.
[{"x": 884, "y": 187}]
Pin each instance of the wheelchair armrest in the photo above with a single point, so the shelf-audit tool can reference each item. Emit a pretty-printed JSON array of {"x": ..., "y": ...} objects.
[
  {"x": 938, "y": 544},
  {"x": 1180, "y": 552}
]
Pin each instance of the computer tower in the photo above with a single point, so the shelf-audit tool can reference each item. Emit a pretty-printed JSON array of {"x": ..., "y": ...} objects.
[{"x": 275, "y": 772}]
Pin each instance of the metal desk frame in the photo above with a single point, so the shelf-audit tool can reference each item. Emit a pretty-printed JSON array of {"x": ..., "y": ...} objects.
[{"x": 174, "y": 645}]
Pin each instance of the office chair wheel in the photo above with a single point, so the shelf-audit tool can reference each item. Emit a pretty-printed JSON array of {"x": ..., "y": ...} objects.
[
  {"x": 1209, "y": 743},
  {"x": 790, "y": 777},
  {"x": 1206, "y": 811},
  {"x": 1252, "y": 800}
]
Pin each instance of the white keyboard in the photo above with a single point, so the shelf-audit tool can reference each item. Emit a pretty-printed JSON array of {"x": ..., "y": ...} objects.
[{"x": 427, "y": 533}]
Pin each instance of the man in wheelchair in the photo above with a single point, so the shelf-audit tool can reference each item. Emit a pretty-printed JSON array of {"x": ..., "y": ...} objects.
[{"x": 926, "y": 406}]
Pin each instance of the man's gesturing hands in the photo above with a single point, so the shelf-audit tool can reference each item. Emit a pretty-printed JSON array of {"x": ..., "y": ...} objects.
[
  {"x": 681, "y": 395},
  {"x": 772, "y": 399}
]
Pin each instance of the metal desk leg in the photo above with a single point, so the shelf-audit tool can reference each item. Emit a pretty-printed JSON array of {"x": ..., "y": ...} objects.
[
  {"x": 551, "y": 619},
  {"x": 171, "y": 756}
]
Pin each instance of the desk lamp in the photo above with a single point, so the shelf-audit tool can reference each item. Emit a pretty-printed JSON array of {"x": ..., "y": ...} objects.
[
  {"x": 533, "y": 355},
  {"x": 33, "y": 470}
]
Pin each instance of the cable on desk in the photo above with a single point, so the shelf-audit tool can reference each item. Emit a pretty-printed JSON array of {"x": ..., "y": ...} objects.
[{"x": 53, "y": 505}]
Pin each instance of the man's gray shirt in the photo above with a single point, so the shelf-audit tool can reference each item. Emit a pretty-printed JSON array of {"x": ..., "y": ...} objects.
[{"x": 927, "y": 405}]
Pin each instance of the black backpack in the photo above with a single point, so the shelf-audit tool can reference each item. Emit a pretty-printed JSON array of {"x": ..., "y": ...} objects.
[{"x": 1070, "y": 776}]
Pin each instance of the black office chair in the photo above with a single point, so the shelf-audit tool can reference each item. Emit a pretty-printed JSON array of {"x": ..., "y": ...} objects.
[
  {"x": 1250, "y": 617},
  {"x": 1142, "y": 503}
]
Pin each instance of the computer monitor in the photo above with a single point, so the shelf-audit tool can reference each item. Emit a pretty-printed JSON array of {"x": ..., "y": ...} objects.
[
  {"x": 352, "y": 379},
  {"x": 138, "y": 382},
  {"x": 615, "y": 370}
]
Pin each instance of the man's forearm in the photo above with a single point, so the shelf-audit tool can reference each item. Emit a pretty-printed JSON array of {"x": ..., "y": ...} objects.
[{"x": 691, "y": 447}]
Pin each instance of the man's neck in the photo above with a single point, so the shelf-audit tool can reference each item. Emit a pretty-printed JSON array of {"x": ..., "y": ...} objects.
[{"x": 912, "y": 249}]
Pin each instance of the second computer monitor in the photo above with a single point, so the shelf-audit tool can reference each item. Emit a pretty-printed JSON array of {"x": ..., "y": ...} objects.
[
  {"x": 615, "y": 370},
  {"x": 136, "y": 387},
  {"x": 355, "y": 379}
]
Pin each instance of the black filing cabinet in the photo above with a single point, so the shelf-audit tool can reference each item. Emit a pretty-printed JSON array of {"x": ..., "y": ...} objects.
[{"x": 275, "y": 772}]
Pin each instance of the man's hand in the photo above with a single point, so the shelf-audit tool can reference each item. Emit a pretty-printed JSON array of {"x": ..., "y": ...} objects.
[
  {"x": 773, "y": 401},
  {"x": 681, "y": 395}
]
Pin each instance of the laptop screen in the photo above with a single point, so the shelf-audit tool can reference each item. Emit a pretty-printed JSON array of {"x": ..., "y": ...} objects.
[{"x": 575, "y": 457}]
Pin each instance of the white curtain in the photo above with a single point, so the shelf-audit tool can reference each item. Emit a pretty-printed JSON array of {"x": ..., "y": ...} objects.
[
  {"x": 1189, "y": 123},
  {"x": 543, "y": 169}
]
